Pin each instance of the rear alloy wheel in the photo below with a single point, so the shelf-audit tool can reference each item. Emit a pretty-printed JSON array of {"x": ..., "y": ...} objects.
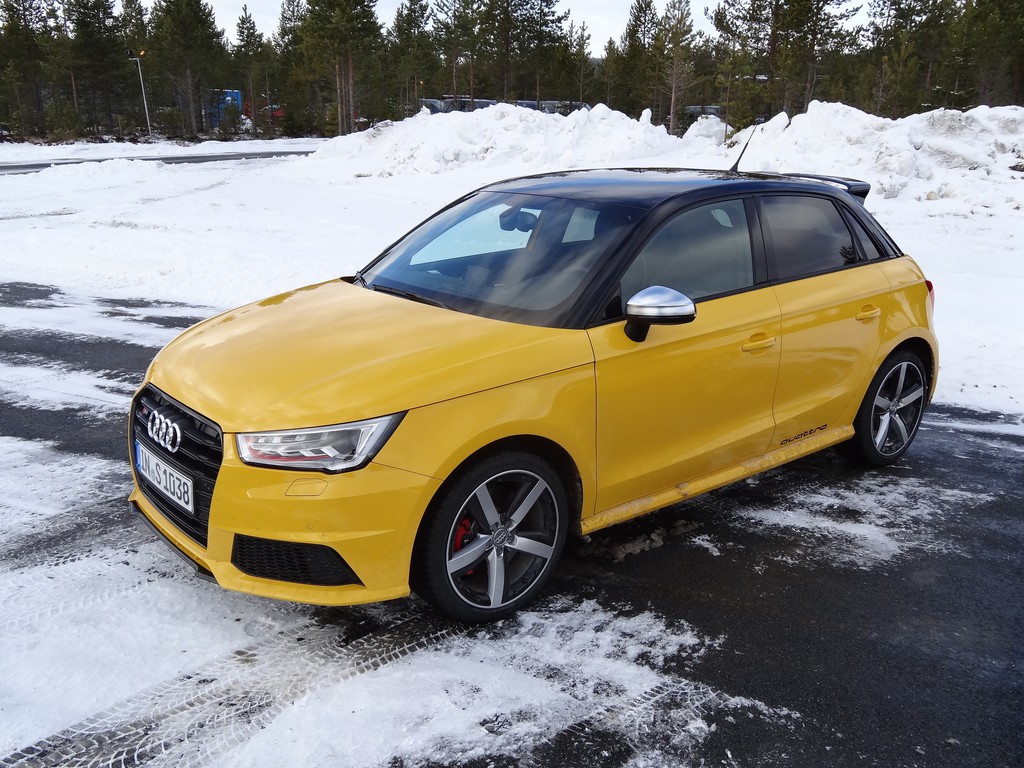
[
  {"x": 492, "y": 539},
  {"x": 891, "y": 412}
]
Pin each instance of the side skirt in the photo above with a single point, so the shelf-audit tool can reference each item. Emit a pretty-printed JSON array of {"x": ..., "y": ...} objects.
[{"x": 683, "y": 491}]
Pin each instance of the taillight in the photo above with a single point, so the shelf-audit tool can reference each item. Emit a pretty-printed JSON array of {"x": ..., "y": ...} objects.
[{"x": 931, "y": 291}]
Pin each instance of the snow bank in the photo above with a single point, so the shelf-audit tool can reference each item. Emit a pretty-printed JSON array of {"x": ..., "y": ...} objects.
[
  {"x": 924, "y": 156},
  {"x": 935, "y": 155},
  {"x": 499, "y": 135}
]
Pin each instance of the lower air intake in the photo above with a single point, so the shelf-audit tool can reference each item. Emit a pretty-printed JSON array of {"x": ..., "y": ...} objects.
[{"x": 314, "y": 564}]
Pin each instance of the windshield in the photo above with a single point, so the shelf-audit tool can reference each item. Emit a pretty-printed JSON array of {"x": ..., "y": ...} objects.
[{"x": 523, "y": 258}]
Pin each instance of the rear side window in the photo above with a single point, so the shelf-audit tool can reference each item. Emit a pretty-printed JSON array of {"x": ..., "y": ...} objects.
[
  {"x": 867, "y": 245},
  {"x": 808, "y": 235},
  {"x": 701, "y": 252}
]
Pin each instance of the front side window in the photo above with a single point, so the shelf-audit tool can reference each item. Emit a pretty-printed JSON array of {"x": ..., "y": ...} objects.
[
  {"x": 701, "y": 252},
  {"x": 808, "y": 235}
]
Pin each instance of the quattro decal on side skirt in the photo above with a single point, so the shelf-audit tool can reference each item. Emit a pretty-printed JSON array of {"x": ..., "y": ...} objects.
[{"x": 802, "y": 435}]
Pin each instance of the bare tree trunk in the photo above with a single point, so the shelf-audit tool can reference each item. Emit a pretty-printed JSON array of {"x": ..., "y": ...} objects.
[
  {"x": 351, "y": 94},
  {"x": 672, "y": 98},
  {"x": 339, "y": 91},
  {"x": 74, "y": 92},
  {"x": 189, "y": 87},
  {"x": 252, "y": 104},
  {"x": 812, "y": 76}
]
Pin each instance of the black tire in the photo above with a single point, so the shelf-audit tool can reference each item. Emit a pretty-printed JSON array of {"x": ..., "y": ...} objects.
[
  {"x": 890, "y": 415},
  {"x": 508, "y": 516}
]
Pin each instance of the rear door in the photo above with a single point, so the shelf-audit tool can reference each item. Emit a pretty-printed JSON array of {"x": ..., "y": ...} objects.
[{"x": 834, "y": 303}]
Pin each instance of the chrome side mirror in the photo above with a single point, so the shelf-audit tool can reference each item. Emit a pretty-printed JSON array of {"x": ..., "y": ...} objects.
[{"x": 657, "y": 305}]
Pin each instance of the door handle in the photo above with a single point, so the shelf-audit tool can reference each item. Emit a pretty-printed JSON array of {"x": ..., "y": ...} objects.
[
  {"x": 755, "y": 343},
  {"x": 869, "y": 313}
]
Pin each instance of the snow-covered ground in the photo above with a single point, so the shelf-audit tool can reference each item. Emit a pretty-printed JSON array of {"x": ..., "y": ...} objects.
[{"x": 114, "y": 646}]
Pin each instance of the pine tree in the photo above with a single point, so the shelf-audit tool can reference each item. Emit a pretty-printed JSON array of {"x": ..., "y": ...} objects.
[
  {"x": 288, "y": 37},
  {"x": 188, "y": 49},
  {"x": 579, "y": 61},
  {"x": 749, "y": 34},
  {"x": 412, "y": 51},
  {"x": 640, "y": 60},
  {"x": 337, "y": 35},
  {"x": 460, "y": 39},
  {"x": 610, "y": 74},
  {"x": 133, "y": 25},
  {"x": 21, "y": 64},
  {"x": 503, "y": 28},
  {"x": 806, "y": 31},
  {"x": 542, "y": 35},
  {"x": 248, "y": 53},
  {"x": 676, "y": 36},
  {"x": 995, "y": 32},
  {"x": 98, "y": 60}
]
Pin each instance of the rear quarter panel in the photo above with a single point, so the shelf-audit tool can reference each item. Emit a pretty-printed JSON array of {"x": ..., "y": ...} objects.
[{"x": 910, "y": 314}]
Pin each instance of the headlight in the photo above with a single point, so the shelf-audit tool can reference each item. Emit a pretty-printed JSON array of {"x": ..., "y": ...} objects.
[{"x": 329, "y": 449}]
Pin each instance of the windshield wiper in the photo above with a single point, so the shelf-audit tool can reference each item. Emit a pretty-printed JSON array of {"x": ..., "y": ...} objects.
[
  {"x": 407, "y": 295},
  {"x": 358, "y": 279}
]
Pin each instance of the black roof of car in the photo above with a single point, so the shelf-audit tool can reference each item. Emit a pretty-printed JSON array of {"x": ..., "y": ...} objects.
[{"x": 648, "y": 187}]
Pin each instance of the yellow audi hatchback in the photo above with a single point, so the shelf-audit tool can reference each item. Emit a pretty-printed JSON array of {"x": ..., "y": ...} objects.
[{"x": 546, "y": 355}]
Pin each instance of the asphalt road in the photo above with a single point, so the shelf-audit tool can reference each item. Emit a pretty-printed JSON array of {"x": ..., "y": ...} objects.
[
  {"x": 906, "y": 656},
  {"x": 11, "y": 168}
]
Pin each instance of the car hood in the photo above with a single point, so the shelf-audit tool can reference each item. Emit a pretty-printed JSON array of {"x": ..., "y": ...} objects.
[{"x": 334, "y": 352}]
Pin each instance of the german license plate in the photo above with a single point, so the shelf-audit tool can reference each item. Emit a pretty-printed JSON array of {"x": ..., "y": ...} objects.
[{"x": 169, "y": 481}]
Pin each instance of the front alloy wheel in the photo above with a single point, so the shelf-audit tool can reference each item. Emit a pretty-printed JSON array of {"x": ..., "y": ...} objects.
[{"x": 493, "y": 538}]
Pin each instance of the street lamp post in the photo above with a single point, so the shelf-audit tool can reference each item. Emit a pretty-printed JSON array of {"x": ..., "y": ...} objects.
[{"x": 142, "y": 85}]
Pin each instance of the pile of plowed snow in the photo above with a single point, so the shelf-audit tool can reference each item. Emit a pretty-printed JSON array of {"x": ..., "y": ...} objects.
[
  {"x": 936, "y": 155},
  {"x": 500, "y": 135}
]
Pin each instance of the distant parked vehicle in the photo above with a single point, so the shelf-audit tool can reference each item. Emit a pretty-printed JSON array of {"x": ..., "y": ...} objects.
[
  {"x": 464, "y": 104},
  {"x": 563, "y": 107},
  {"x": 696, "y": 110},
  {"x": 225, "y": 107}
]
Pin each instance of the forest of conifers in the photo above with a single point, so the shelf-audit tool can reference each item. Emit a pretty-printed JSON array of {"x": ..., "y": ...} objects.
[{"x": 71, "y": 68}]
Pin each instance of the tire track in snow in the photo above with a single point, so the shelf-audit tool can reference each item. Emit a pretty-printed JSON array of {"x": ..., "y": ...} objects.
[
  {"x": 77, "y": 533},
  {"x": 82, "y": 580},
  {"x": 193, "y": 719},
  {"x": 621, "y": 730}
]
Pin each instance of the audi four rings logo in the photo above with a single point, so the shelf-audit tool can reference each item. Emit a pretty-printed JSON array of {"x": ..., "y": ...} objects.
[{"x": 164, "y": 431}]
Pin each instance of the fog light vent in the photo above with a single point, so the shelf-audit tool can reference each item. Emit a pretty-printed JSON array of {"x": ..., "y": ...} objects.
[{"x": 314, "y": 564}]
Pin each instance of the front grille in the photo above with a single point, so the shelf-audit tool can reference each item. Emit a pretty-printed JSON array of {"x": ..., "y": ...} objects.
[
  {"x": 314, "y": 564},
  {"x": 198, "y": 457}
]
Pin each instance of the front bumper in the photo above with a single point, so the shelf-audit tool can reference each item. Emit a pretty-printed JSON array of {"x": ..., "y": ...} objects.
[{"x": 302, "y": 533}]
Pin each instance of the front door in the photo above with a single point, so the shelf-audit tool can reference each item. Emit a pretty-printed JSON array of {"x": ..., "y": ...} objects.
[{"x": 690, "y": 399}]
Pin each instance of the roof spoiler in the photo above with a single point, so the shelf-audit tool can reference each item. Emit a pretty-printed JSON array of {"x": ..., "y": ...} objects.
[{"x": 858, "y": 189}]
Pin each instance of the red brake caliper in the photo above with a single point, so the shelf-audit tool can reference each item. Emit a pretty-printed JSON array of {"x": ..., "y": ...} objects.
[{"x": 463, "y": 535}]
